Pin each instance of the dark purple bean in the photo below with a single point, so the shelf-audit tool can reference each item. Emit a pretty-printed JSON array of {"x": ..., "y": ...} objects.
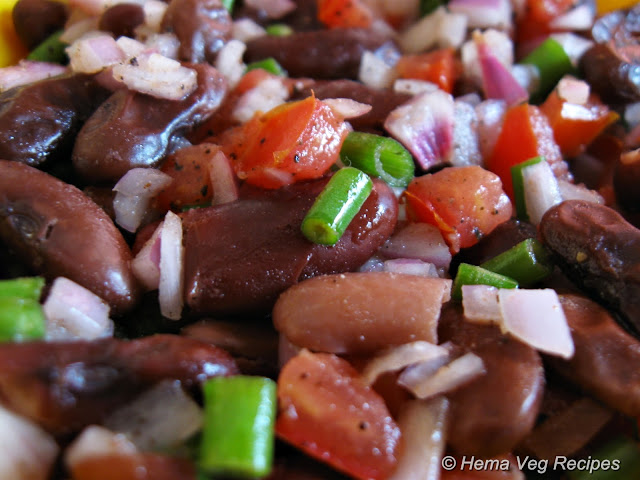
[
  {"x": 202, "y": 26},
  {"x": 65, "y": 386},
  {"x": 122, "y": 19},
  {"x": 135, "y": 130},
  {"x": 322, "y": 54},
  {"x": 240, "y": 256},
  {"x": 38, "y": 122},
  {"x": 606, "y": 362},
  {"x": 626, "y": 179},
  {"x": 599, "y": 251},
  {"x": 58, "y": 231},
  {"x": 493, "y": 413},
  {"x": 35, "y": 20}
]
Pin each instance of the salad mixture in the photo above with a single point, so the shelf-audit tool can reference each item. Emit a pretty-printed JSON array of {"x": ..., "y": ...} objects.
[{"x": 319, "y": 239}]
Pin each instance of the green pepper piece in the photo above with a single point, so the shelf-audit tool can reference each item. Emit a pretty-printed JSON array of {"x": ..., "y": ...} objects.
[
  {"x": 51, "y": 50},
  {"x": 24, "y": 287},
  {"x": 21, "y": 319},
  {"x": 527, "y": 262},
  {"x": 474, "y": 275}
]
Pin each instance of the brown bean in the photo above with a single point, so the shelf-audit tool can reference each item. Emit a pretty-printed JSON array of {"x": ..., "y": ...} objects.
[
  {"x": 121, "y": 19},
  {"x": 35, "y": 20},
  {"x": 361, "y": 313},
  {"x": 59, "y": 231},
  {"x": 65, "y": 386},
  {"x": 626, "y": 178},
  {"x": 606, "y": 362},
  {"x": 135, "y": 130},
  {"x": 493, "y": 413}
]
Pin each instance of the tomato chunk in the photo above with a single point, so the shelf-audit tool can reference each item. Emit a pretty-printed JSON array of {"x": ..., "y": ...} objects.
[
  {"x": 437, "y": 67},
  {"x": 465, "y": 203},
  {"x": 326, "y": 410},
  {"x": 139, "y": 466},
  {"x": 293, "y": 142},
  {"x": 344, "y": 13}
]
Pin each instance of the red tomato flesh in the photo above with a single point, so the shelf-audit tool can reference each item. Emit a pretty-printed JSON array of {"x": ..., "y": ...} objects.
[
  {"x": 437, "y": 67},
  {"x": 141, "y": 466},
  {"x": 344, "y": 14}
]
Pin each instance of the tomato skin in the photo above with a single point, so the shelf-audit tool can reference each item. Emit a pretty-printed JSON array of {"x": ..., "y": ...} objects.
[
  {"x": 538, "y": 14},
  {"x": 344, "y": 14},
  {"x": 326, "y": 410},
  {"x": 465, "y": 203},
  {"x": 437, "y": 67},
  {"x": 293, "y": 142}
]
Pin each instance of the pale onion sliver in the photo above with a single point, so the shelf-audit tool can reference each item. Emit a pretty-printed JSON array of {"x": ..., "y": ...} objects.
[
  {"x": 170, "y": 293},
  {"x": 144, "y": 266},
  {"x": 346, "y": 107},
  {"x": 223, "y": 179},
  {"x": 96, "y": 441},
  {"x": 480, "y": 304}
]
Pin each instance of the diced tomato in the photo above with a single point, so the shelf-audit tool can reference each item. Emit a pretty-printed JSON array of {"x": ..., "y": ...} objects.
[
  {"x": 538, "y": 14},
  {"x": 326, "y": 410},
  {"x": 293, "y": 142},
  {"x": 576, "y": 126},
  {"x": 439, "y": 67},
  {"x": 141, "y": 466},
  {"x": 525, "y": 134},
  {"x": 465, "y": 203},
  {"x": 344, "y": 13}
]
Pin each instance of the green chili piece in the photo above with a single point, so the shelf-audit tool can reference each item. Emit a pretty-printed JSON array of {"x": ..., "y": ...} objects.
[
  {"x": 518, "y": 186},
  {"x": 552, "y": 63},
  {"x": 279, "y": 30},
  {"x": 21, "y": 319},
  {"x": 474, "y": 275},
  {"x": 378, "y": 156},
  {"x": 238, "y": 433},
  {"x": 617, "y": 460},
  {"x": 228, "y": 4},
  {"x": 270, "y": 64},
  {"x": 429, "y": 6},
  {"x": 336, "y": 206},
  {"x": 527, "y": 262},
  {"x": 24, "y": 287},
  {"x": 51, "y": 50}
]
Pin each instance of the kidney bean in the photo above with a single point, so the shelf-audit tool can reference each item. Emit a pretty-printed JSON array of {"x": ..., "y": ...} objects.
[
  {"x": 597, "y": 249},
  {"x": 202, "y": 26},
  {"x": 321, "y": 54},
  {"x": 135, "y": 130},
  {"x": 626, "y": 178},
  {"x": 59, "y": 231},
  {"x": 35, "y": 20},
  {"x": 122, "y": 19},
  {"x": 606, "y": 362},
  {"x": 240, "y": 256},
  {"x": 493, "y": 413},
  {"x": 361, "y": 313},
  {"x": 39, "y": 121},
  {"x": 65, "y": 386}
]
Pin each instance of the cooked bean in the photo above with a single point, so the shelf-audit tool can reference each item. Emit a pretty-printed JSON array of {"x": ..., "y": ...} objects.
[
  {"x": 39, "y": 121},
  {"x": 240, "y": 256},
  {"x": 606, "y": 362},
  {"x": 493, "y": 413},
  {"x": 35, "y": 20},
  {"x": 596, "y": 247},
  {"x": 361, "y": 313},
  {"x": 122, "y": 19},
  {"x": 65, "y": 386},
  {"x": 59, "y": 231},
  {"x": 320, "y": 54},
  {"x": 135, "y": 130},
  {"x": 202, "y": 26},
  {"x": 626, "y": 178}
]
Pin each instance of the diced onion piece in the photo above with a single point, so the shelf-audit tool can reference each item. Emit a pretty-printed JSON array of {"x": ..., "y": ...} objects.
[
  {"x": 573, "y": 90},
  {"x": 375, "y": 72},
  {"x": 165, "y": 44},
  {"x": 402, "y": 356},
  {"x": 265, "y": 96},
  {"x": 73, "y": 312},
  {"x": 480, "y": 304},
  {"x": 28, "y": 71},
  {"x": 154, "y": 11},
  {"x": 374, "y": 264},
  {"x": 223, "y": 179},
  {"x": 346, "y": 107},
  {"x": 146, "y": 264},
  {"x": 76, "y": 30},
  {"x": 423, "y": 425},
  {"x": 411, "y": 266},
  {"x": 453, "y": 30},
  {"x": 466, "y": 144},
  {"x": 133, "y": 193},
  {"x": 245, "y": 29},
  {"x": 497, "y": 42},
  {"x": 158, "y": 76},
  {"x": 579, "y": 18},
  {"x": 536, "y": 318},
  {"x": 28, "y": 452},
  {"x": 160, "y": 418},
  {"x": 438, "y": 28},
  {"x": 93, "y": 54},
  {"x": 448, "y": 377},
  {"x": 130, "y": 47},
  {"x": 413, "y": 87},
  {"x": 170, "y": 293},
  {"x": 421, "y": 241},
  {"x": 96, "y": 441},
  {"x": 571, "y": 191},
  {"x": 484, "y": 13},
  {"x": 574, "y": 45},
  {"x": 490, "y": 115},
  {"x": 229, "y": 61},
  {"x": 273, "y": 8},
  {"x": 541, "y": 190},
  {"x": 527, "y": 75}
]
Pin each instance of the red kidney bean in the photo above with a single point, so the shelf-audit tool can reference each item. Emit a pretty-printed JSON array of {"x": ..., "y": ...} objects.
[
  {"x": 122, "y": 19},
  {"x": 35, "y": 20}
]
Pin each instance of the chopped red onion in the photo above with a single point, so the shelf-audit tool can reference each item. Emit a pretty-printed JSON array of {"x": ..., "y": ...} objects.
[
  {"x": 273, "y": 8},
  {"x": 411, "y": 266},
  {"x": 439, "y": 28},
  {"x": 528, "y": 76},
  {"x": 484, "y": 13},
  {"x": 223, "y": 179},
  {"x": 134, "y": 192},
  {"x": 536, "y": 318},
  {"x": 28, "y": 452},
  {"x": 95, "y": 441},
  {"x": 397, "y": 358},
  {"x": 74, "y": 313},
  {"x": 170, "y": 293},
  {"x": 160, "y": 418},
  {"x": 374, "y": 264},
  {"x": 573, "y": 90},
  {"x": 154, "y": 11},
  {"x": 574, "y": 45},
  {"x": 571, "y": 191},
  {"x": 165, "y": 44},
  {"x": 579, "y": 18},
  {"x": 466, "y": 147},
  {"x": 480, "y": 304},
  {"x": 130, "y": 47},
  {"x": 413, "y": 87},
  {"x": 424, "y": 426},
  {"x": 245, "y": 29},
  {"x": 28, "y": 71},
  {"x": 346, "y": 107},
  {"x": 375, "y": 72},
  {"x": 490, "y": 115},
  {"x": 146, "y": 264},
  {"x": 417, "y": 372},
  {"x": 94, "y": 53},
  {"x": 266, "y": 95},
  {"x": 229, "y": 61},
  {"x": 76, "y": 30},
  {"x": 497, "y": 42},
  {"x": 541, "y": 190},
  {"x": 448, "y": 377},
  {"x": 424, "y": 125},
  {"x": 421, "y": 241}
]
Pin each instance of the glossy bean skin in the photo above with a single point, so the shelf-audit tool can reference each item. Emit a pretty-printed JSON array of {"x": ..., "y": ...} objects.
[
  {"x": 58, "y": 231},
  {"x": 321, "y": 54},
  {"x": 607, "y": 359},
  {"x": 35, "y": 20},
  {"x": 240, "y": 256},
  {"x": 132, "y": 130},
  {"x": 599, "y": 250},
  {"x": 493, "y": 413},
  {"x": 202, "y": 26},
  {"x": 121, "y": 19},
  {"x": 38, "y": 122},
  {"x": 626, "y": 178},
  {"x": 65, "y": 386}
]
